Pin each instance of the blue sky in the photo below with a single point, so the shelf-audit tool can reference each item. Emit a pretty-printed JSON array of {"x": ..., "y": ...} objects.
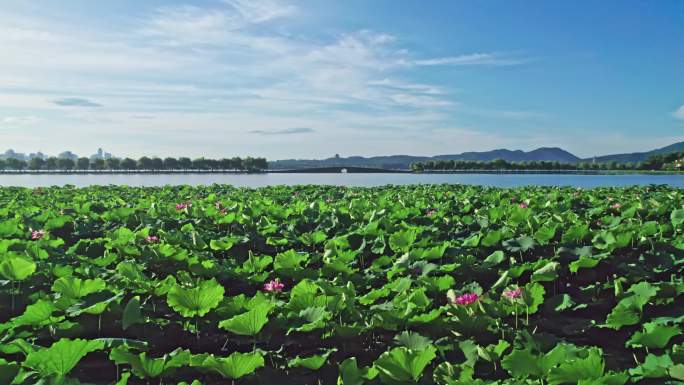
[{"x": 302, "y": 79}]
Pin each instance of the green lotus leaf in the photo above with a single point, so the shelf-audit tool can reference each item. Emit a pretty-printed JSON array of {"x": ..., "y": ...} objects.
[
  {"x": 61, "y": 357},
  {"x": 546, "y": 273},
  {"x": 401, "y": 365},
  {"x": 17, "y": 268},
  {"x": 290, "y": 260},
  {"x": 73, "y": 287},
  {"x": 572, "y": 371},
  {"x": 472, "y": 241},
  {"x": 491, "y": 238},
  {"x": 249, "y": 323},
  {"x": 235, "y": 366},
  {"x": 305, "y": 295},
  {"x": 677, "y": 217},
  {"x": 654, "y": 366},
  {"x": 413, "y": 341},
  {"x": 223, "y": 244},
  {"x": 447, "y": 373},
  {"x": 146, "y": 367},
  {"x": 623, "y": 315},
  {"x": 314, "y": 362},
  {"x": 401, "y": 241},
  {"x": 38, "y": 314},
  {"x": 8, "y": 371},
  {"x": 522, "y": 364},
  {"x": 311, "y": 318},
  {"x": 195, "y": 301},
  {"x": 351, "y": 374},
  {"x": 654, "y": 336},
  {"x": 519, "y": 244},
  {"x": 584, "y": 262},
  {"x": 533, "y": 295},
  {"x": 95, "y": 303},
  {"x": 545, "y": 233},
  {"x": 131, "y": 313}
]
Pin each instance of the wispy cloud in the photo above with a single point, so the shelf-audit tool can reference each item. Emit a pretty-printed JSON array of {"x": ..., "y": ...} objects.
[
  {"x": 286, "y": 131},
  {"x": 487, "y": 59},
  {"x": 679, "y": 114},
  {"x": 76, "y": 102},
  {"x": 20, "y": 120},
  {"x": 504, "y": 114},
  {"x": 183, "y": 25},
  {"x": 414, "y": 87},
  {"x": 257, "y": 11}
]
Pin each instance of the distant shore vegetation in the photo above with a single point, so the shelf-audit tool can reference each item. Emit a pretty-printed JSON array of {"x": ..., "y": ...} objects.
[
  {"x": 666, "y": 162},
  {"x": 145, "y": 163}
]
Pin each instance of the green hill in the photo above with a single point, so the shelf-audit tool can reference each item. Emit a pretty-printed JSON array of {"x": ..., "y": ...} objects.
[{"x": 639, "y": 156}]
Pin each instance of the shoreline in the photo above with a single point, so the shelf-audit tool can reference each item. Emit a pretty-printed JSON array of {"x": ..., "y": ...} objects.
[{"x": 338, "y": 170}]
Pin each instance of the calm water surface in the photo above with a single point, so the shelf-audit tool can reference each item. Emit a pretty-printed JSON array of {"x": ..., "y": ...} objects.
[{"x": 365, "y": 180}]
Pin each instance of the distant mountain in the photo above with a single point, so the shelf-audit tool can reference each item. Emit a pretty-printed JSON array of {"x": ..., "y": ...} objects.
[
  {"x": 639, "y": 156},
  {"x": 403, "y": 162},
  {"x": 552, "y": 154}
]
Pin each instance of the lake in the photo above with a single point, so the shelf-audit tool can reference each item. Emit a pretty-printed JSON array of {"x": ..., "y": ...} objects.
[{"x": 364, "y": 180}]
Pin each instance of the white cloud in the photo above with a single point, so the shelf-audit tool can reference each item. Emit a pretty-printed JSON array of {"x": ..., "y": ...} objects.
[
  {"x": 414, "y": 87},
  {"x": 188, "y": 24},
  {"x": 285, "y": 131},
  {"x": 504, "y": 114},
  {"x": 419, "y": 101},
  {"x": 679, "y": 114},
  {"x": 257, "y": 11},
  {"x": 212, "y": 74},
  {"x": 470, "y": 59},
  {"x": 19, "y": 120}
]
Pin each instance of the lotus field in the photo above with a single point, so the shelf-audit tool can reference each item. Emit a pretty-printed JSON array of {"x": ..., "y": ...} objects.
[{"x": 431, "y": 284}]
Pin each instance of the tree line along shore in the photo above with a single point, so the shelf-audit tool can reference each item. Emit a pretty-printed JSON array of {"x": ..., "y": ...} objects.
[
  {"x": 661, "y": 162},
  {"x": 144, "y": 164}
]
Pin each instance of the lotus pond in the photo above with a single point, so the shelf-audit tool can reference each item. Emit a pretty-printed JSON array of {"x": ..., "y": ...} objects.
[{"x": 430, "y": 284}]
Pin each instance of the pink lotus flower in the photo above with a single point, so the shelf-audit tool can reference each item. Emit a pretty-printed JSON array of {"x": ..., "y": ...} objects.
[
  {"x": 152, "y": 239},
  {"x": 37, "y": 234},
  {"x": 523, "y": 205},
  {"x": 513, "y": 293},
  {"x": 616, "y": 206},
  {"x": 431, "y": 213},
  {"x": 274, "y": 286},
  {"x": 181, "y": 206},
  {"x": 466, "y": 299}
]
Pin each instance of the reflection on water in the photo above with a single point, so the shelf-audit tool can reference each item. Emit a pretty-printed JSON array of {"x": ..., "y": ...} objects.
[{"x": 365, "y": 180}]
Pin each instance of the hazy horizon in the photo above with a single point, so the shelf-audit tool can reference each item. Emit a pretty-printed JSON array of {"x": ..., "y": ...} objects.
[
  {"x": 308, "y": 79},
  {"x": 107, "y": 153}
]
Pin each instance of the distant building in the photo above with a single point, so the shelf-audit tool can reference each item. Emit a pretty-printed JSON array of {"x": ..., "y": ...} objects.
[
  {"x": 10, "y": 154},
  {"x": 101, "y": 154},
  {"x": 67, "y": 155}
]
